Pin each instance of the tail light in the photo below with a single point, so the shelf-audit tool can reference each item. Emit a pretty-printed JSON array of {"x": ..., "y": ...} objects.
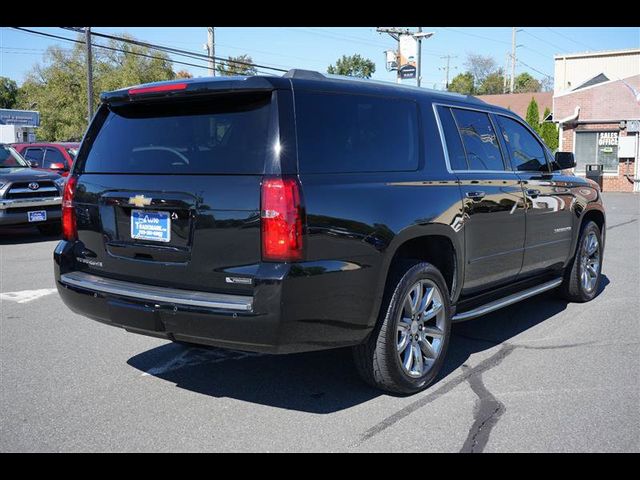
[
  {"x": 69, "y": 227},
  {"x": 281, "y": 215}
]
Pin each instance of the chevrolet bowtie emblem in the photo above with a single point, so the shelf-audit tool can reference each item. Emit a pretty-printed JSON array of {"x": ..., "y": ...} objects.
[{"x": 140, "y": 201}]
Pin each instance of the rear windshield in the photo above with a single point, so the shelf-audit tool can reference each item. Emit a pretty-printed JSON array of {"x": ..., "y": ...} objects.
[
  {"x": 339, "y": 133},
  {"x": 221, "y": 135}
]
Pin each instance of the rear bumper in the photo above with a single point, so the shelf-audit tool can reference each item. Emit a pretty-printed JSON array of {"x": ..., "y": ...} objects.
[{"x": 288, "y": 312}]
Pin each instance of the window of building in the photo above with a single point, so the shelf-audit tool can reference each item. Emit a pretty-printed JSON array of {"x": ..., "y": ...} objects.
[{"x": 600, "y": 148}]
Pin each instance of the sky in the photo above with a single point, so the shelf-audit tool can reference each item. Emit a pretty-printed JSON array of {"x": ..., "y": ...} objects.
[{"x": 314, "y": 48}]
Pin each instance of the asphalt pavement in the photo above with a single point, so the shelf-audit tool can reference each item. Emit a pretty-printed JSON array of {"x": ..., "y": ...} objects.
[{"x": 541, "y": 375}]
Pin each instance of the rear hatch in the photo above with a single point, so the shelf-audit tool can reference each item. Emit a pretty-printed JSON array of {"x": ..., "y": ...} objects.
[{"x": 168, "y": 190}]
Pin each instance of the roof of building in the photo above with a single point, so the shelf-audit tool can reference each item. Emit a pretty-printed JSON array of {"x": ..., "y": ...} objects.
[
  {"x": 603, "y": 53},
  {"x": 519, "y": 102}
]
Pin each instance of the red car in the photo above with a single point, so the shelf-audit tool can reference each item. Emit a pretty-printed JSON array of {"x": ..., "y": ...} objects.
[{"x": 55, "y": 157}]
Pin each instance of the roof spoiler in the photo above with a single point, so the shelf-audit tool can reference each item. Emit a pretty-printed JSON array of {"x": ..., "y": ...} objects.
[{"x": 188, "y": 88}]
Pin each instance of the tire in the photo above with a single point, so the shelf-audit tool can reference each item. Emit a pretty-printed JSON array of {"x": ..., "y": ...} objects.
[
  {"x": 380, "y": 360},
  {"x": 574, "y": 288},
  {"x": 50, "y": 229}
]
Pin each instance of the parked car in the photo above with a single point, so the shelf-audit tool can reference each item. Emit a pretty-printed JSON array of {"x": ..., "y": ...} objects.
[
  {"x": 56, "y": 157},
  {"x": 307, "y": 212},
  {"x": 28, "y": 196}
]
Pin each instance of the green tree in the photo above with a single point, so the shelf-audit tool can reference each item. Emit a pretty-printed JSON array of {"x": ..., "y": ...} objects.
[
  {"x": 8, "y": 92},
  {"x": 533, "y": 115},
  {"x": 462, "y": 83},
  {"x": 480, "y": 67},
  {"x": 549, "y": 132},
  {"x": 58, "y": 86},
  {"x": 240, "y": 65},
  {"x": 492, "y": 84},
  {"x": 353, "y": 66},
  {"x": 526, "y": 83}
]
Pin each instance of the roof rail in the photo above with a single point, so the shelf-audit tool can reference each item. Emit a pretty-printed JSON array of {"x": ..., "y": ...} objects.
[
  {"x": 304, "y": 74},
  {"x": 313, "y": 75}
]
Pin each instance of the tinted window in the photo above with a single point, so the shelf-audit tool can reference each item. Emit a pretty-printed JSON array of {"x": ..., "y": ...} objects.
[
  {"x": 10, "y": 158},
  {"x": 355, "y": 133},
  {"x": 525, "y": 151},
  {"x": 479, "y": 139},
  {"x": 222, "y": 135},
  {"x": 54, "y": 156},
  {"x": 457, "y": 159},
  {"x": 34, "y": 155}
]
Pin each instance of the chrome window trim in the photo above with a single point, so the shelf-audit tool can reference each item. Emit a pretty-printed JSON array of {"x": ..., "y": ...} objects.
[{"x": 443, "y": 140}]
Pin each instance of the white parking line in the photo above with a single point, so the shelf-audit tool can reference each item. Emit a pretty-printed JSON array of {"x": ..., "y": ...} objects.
[{"x": 25, "y": 296}]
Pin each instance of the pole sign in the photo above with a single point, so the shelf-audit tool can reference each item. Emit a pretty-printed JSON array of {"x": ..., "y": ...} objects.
[{"x": 408, "y": 55}]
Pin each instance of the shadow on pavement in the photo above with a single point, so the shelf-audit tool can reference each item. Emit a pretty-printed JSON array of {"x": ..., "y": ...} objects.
[
  {"x": 327, "y": 381},
  {"x": 21, "y": 235}
]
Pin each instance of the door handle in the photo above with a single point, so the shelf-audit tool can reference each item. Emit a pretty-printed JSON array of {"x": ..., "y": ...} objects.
[
  {"x": 475, "y": 195},
  {"x": 533, "y": 193}
]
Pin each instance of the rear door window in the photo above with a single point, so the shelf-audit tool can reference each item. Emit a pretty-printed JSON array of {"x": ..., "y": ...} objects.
[
  {"x": 341, "y": 133},
  {"x": 217, "y": 135},
  {"x": 53, "y": 155},
  {"x": 35, "y": 156},
  {"x": 479, "y": 139}
]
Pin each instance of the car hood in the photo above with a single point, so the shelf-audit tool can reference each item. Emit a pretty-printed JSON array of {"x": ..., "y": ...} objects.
[{"x": 25, "y": 175}]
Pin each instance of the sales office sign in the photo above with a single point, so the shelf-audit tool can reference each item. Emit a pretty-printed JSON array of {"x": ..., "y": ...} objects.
[{"x": 608, "y": 139}]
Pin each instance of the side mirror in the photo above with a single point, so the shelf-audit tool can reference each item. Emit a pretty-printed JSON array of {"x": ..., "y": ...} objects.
[
  {"x": 57, "y": 166},
  {"x": 563, "y": 161}
]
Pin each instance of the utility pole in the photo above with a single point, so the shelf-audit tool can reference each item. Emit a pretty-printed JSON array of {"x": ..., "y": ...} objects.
[
  {"x": 446, "y": 70},
  {"x": 211, "y": 50},
  {"x": 419, "y": 60},
  {"x": 513, "y": 58},
  {"x": 395, "y": 33},
  {"x": 504, "y": 76},
  {"x": 87, "y": 36}
]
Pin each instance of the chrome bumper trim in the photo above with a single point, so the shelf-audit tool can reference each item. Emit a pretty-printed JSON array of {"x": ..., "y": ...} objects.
[
  {"x": 157, "y": 294},
  {"x": 29, "y": 202}
]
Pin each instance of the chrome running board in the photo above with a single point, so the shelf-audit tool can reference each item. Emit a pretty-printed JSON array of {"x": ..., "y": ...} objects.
[
  {"x": 503, "y": 302},
  {"x": 171, "y": 296}
]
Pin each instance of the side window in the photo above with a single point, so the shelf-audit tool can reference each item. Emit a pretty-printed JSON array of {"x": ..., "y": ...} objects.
[
  {"x": 53, "y": 156},
  {"x": 479, "y": 140},
  {"x": 525, "y": 150},
  {"x": 457, "y": 158},
  {"x": 35, "y": 156},
  {"x": 340, "y": 133}
]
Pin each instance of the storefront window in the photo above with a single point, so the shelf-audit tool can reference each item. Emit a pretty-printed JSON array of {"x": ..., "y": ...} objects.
[{"x": 597, "y": 147}]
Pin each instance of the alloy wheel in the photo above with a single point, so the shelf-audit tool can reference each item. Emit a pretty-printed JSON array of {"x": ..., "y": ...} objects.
[{"x": 421, "y": 327}]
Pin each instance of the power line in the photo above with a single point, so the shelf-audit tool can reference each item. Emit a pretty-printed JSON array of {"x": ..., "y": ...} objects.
[
  {"x": 58, "y": 37},
  {"x": 178, "y": 51},
  {"x": 569, "y": 38},
  {"x": 476, "y": 35},
  {"x": 534, "y": 69},
  {"x": 542, "y": 40}
]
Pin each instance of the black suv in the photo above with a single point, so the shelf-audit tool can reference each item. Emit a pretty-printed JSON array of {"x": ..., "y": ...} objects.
[{"x": 306, "y": 212}]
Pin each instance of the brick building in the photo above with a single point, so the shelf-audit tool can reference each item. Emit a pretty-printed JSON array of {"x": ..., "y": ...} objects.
[
  {"x": 519, "y": 102},
  {"x": 596, "y": 104}
]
